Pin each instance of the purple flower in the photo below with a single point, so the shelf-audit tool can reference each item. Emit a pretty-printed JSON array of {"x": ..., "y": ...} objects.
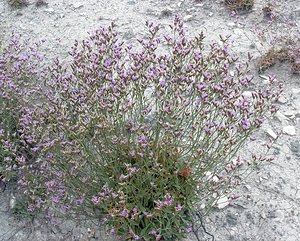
[
  {"x": 55, "y": 199},
  {"x": 178, "y": 208},
  {"x": 163, "y": 83},
  {"x": 95, "y": 200},
  {"x": 159, "y": 205},
  {"x": 132, "y": 153},
  {"x": 124, "y": 213},
  {"x": 245, "y": 124},
  {"x": 79, "y": 201}
]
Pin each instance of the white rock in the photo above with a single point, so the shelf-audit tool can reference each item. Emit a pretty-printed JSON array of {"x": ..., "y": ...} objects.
[
  {"x": 188, "y": 18},
  {"x": 231, "y": 72},
  {"x": 215, "y": 179},
  {"x": 266, "y": 79},
  {"x": 199, "y": 5},
  {"x": 49, "y": 10},
  {"x": 291, "y": 114},
  {"x": 289, "y": 130},
  {"x": 12, "y": 202},
  {"x": 222, "y": 202},
  {"x": 190, "y": 10},
  {"x": 281, "y": 117},
  {"x": 210, "y": 14},
  {"x": 77, "y": 5},
  {"x": 282, "y": 100},
  {"x": 247, "y": 94},
  {"x": 271, "y": 133},
  {"x": 231, "y": 24}
]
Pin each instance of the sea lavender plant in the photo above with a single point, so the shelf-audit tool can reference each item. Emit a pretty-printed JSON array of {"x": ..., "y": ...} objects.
[{"x": 139, "y": 137}]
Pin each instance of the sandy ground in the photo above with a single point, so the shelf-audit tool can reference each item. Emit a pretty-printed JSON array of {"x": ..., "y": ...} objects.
[{"x": 269, "y": 209}]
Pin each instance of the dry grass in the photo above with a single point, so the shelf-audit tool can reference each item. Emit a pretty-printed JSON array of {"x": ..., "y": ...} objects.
[
  {"x": 18, "y": 3},
  {"x": 287, "y": 53},
  {"x": 235, "y": 5}
]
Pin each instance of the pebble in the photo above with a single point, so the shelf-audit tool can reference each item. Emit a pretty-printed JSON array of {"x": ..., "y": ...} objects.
[
  {"x": 199, "y": 5},
  {"x": 231, "y": 24},
  {"x": 271, "y": 133},
  {"x": 281, "y": 117},
  {"x": 289, "y": 130},
  {"x": 263, "y": 215},
  {"x": 210, "y": 14},
  {"x": 266, "y": 79},
  {"x": 282, "y": 100},
  {"x": 247, "y": 94},
  {"x": 290, "y": 114},
  {"x": 49, "y": 10},
  {"x": 222, "y": 202},
  {"x": 295, "y": 146},
  {"x": 190, "y": 10},
  {"x": 12, "y": 202},
  {"x": 188, "y": 18},
  {"x": 77, "y": 5}
]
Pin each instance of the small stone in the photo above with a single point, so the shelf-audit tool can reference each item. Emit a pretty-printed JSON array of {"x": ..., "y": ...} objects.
[
  {"x": 266, "y": 79},
  {"x": 271, "y": 133},
  {"x": 291, "y": 114},
  {"x": 282, "y": 100},
  {"x": 222, "y": 202},
  {"x": 289, "y": 130},
  {"x": 199, "y": 5},
  {"x": 215, "y": 179},
  {"x": 190, "y": 10},
  {"x": 231, "y": 72},
  {"x": 231, "y": 24},
  {"x": 179, "y": 4},
  {"x": 12, "y": 202},
  {"x": 188, "y": 18},
  {"x": 295, "y": 146},
  {"x": 210, "y": 14},
  {"x": 247, "y": 94},
  {"x": 281, "y": 117},
  {"x": 202, "y": 206},
  {"x": 49, "y": 10},
  {"x": 263, "y": 215},
  {"x": 77, "y": 5}
]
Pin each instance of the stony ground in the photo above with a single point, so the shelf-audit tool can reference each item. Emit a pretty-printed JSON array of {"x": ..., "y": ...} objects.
[{"x": 269, "y": 209}]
